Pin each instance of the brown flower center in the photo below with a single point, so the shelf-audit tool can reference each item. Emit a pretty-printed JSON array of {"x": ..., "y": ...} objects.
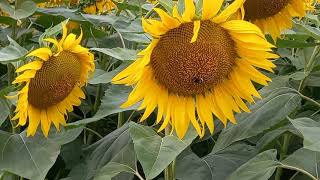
[
  {"x": 55, "y": 80},
  {"x": 261, "y": 9},
  {"x": 192, "y": 68}
]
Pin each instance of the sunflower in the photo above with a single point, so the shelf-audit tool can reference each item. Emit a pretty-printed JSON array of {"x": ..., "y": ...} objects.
[
  {"x": 273, "y": 16},
  {"x": 101, "y": 6},
  {"x": 198, "y": 66},
  {"x": 52, "y": 83},
  {"x": 74, "y": 2},
  {"x": 50, "y": 4}
]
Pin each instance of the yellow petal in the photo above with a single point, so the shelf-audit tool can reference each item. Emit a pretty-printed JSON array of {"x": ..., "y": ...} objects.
[
  {"x": 64, "y": 33},
  {"x": 55, "y": 42},
  {"x": 229, "y": 11},
  {"x": 210, "y": 8},
  {"x": 196, "y": 28},
  {"x": 26, "y": 76},
  {"x": 181, "y": 124},
  {"x": 34, "y": 65},
  {"x": 42, "y": 53},
  {"x": 69, "y": 41},
  {"x": 34, "y": 120},
  {"x": 239, "y": 26},
  {"x": 189, "y": 11},
  {"x": 45, "y": 125},
  {"x": 162, "y": 103},
  {"x": 175, "y": 13},
  {"x": 204, "y": 112},
  {"x": 167, "y": 119},
  {"x": 190, "y": 111},
  {"x": 154, "y": 27},
  {"x": 166, "y": 19}
]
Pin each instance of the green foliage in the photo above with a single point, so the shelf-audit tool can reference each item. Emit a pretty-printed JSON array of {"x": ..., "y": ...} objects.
[{"x": 278, "y": 139}]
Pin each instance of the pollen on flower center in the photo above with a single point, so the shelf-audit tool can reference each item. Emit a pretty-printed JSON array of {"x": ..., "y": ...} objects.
[
  {"x": 191, "y": 68},
  {"x": 260, "y": 9},
  {"x": 55, "y": 80}
]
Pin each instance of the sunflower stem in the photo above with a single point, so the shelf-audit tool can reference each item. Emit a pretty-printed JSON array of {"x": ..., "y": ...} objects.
[
  {"x": 309, "y": 99},
  {"x": 283, "y": 153},
  {"x": 309, "y": 67},
  {"x": 10, "y": 73},
  {"x": 121, "y": 119},
  {"x": 169, "y": 171},
  {"x": 97, "y": 99}
]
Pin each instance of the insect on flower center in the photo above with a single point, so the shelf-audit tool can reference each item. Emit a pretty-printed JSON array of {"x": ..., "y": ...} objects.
[
  {"x": 192, "y": 68},
  {"x": 55, "y": 80},
  {"x": 261, "y": 9}
]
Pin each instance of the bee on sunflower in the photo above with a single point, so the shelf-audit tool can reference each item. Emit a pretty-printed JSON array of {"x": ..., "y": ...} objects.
[
  {"x": 52, "y": 83},
  {"x": 274, "y": 16},
  {"x": 198, "y": 66}
]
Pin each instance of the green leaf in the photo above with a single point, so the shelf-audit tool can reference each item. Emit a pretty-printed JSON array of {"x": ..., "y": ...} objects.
[
  {"x": 167, "y": 4},
  {"x": 110, "y": 104},
  {"x": 272, "y": 136},
  {"x": 135, "y": 37},
  {"x": 101, "y": 19},
  {"x": 310, "y": 130},
  {"x": 23, "y": 8},
  {"x": 53, "y": 31},
  {"x": 66, "y": 13},
  {"x": 260, "y": 167},
  {"x": 160, "y": 152},
  {"x": 214, "y": 165},
  {"x": 313, "y": 79},
  {"x": 311, "y": 31},
  {"x": 106, "y": 77},
  {"x": 12, "y": 52},
  {"x": 66, "y": 134},
  {"x": 298, "y": 76},
  {"x": 4, "y": 112},
  {"x": 112, "y": 169},
  {"x": 284, "y": 43},
  {"x": 118, "y": 53},
  {"x": 264, "y": 114},
  {"x": 30, "y": 157},
  {"x": 305, "y": 160},
  {"x": 119, "y": 164},
  {"x": 112, "y": 148}
]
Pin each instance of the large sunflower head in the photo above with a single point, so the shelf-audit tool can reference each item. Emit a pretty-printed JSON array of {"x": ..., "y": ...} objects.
[
  {"x": 198, "y": 66},
  {"x": 52, "y": 83},
  {"x": 273, "y": 16}
]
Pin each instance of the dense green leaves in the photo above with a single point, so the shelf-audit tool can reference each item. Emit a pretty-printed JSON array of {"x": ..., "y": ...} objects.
[
  {"x": 110, "y": 104},
  {"x": 310, "y": 130},
  {"x": 264, "y": 114},
  {"x": 5, "y": 111},
  {"x": 119, "y": 164},
  {"x": 23, "y": 8},
  {"x": 118, "y": 53},
  {"x": 160, "y": 152},
  {"x": 32, "y": 157},
  {"x": 260, "y": 167},
  {"x": 214, "y": 165},
  {"x": 106, "y": 153},
  {"x": 12, "y": 52},
  {"x": 278, "y": 139}
]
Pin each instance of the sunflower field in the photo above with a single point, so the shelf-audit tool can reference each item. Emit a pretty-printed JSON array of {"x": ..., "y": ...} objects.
[{"x": 159, "y": 89}]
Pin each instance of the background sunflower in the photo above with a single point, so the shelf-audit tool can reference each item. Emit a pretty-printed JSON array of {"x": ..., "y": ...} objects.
[
  {"x": 52, "y": 83},
  {"x": 274, "y": 16}
]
